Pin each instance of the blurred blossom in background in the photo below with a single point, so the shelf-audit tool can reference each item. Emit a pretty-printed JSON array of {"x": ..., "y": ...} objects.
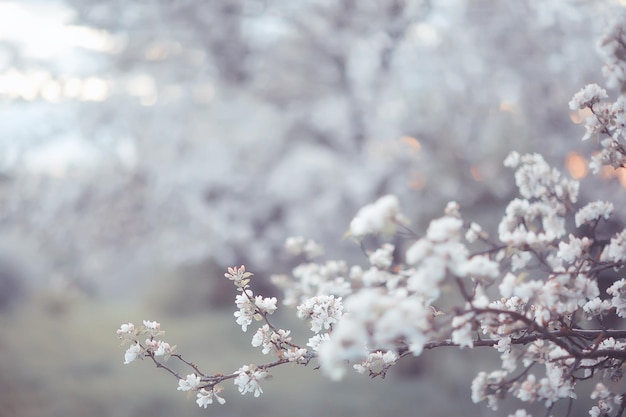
[{"x": 146, "y": 146}]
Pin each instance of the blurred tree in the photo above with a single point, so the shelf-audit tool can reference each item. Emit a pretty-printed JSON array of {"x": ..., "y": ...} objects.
[{"x": 216, "y": 129}]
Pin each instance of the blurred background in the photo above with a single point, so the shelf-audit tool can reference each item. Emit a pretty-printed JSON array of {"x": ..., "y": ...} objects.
[{"x": 146, "y": 146}]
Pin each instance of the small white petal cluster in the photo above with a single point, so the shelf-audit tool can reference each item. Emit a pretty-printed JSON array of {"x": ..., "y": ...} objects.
[
  {"x": 272, "y": 341},
  {"x": 206, "y": 397},
  {"x": 251, "y": 307},
  {"x": 311, "y": 279},
  {"x": 299, "y": 245},
  {"x": 574, "y": 249},
  {"x": 536, "y": 220},
  {"x": 593, "y": 212},
  {"x": 616, "y": 249},
  {"x": 608, "y": 120},
  {"x": 159, "y": 347},
  {"x": 132, "y": 353},
  {"x": 380, "y": 217},
  {"x": 587, "y": 97},
  {"x": 618, "y": 293},
  {"x": 128, "y": 333},
  {"x": 376, "y": 363},
  {"x": 382, "y": 257},
  {"x": 607, "y": 401},
  {"x": 612, "y": 48},
  {"x": 247, "y": 309},
  {"x": 463, "y": 331},
  {"x": 191, "y": 383},
  {"x": 322, "y": 310},
  {"x": 247, "y": 380}
]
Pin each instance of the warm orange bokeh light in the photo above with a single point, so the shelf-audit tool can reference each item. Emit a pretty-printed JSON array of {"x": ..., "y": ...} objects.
[
  {"x": 507, "y": 107},
  {"x": 579, "y": 116},
  {"x": 609, "y": 172},
  {"x": 621, "y": 176},
  {"x": 576, "y": 165},
  {"x": 476, "y": 174},
  {"x": 417, "y": 181},
  {"x": 412, "y": 142}
]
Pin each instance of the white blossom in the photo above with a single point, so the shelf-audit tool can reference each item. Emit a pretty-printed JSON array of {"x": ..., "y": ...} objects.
[
  {"x": 265, "y": 304},
  {"x": 462, "y": 331},
  {"x": 596, "y": 308},
  {"x": 483, "y": 387},
  {"x": 587, "y": 97},
  {"x": 322, "y": 310},
  {"x": 574, "y": 249},
  {"x": 593, "y": 211},
  {"x": 125, "y": 330},
  {"x": 247, "y": 309},
  {"x": 380, "y": 217},
  {"x": 474, "y": 232},
  {"x": 376, "y": 361},
  {"x": 527, "y": 390},
  {"x": 298, "y": 245},
  {"x": 444, "y": 228},
  {"x": 297, "y": 355},
  {"x": 480, "y": 268},
  {"x": 348, "y": 342},
  {"x": 520, "y": 413},
  {"x": 520, "y": 259},
  {"x": 247, "y": 380},
  {"x": 271, "y": 341},
  {"x": 618, "y": 301},
  {"x": 191, "y": 383},
  {"x": 132, "y": 353},
  {"x": 615, "y": 251},
  {"x": 205, "y": 397},
  {"x": 315, "y": 341},
  {"x": 383, "y": 256}
]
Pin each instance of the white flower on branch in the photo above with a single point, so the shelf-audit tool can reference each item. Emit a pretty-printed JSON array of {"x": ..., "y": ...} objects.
[
  {"x": 271, "y": 341},
  {"x": 298, "y": 245},
  {"x": 570, "y": 251},
  {"x": 383, "y": 256},
  {"x": 480, "y": 268},
  {"x": 205, "y": 397},
  {"x": 593, "y": 211},
  {"x": 315, "y": 341},
  {"x": 487, "y": 387},
  {"x": 376, "y": 362},
  {"x": 515, "y": 230},
  {"x": 587, "y": 97},
  {"x": 126, "y": 330},
  {"x": 618, "y": 292},
  {"x": 247, "y": 309},
  {"x": 462, "y": 333},
  {"x": 191, "y": 383},
  {"x": 520, "y": 413},
  {"x": 248, "y": 377},
  {"x": 265, "y": 304},
  {"x": 322, "y": 310},
  {"x": 132, "y": 353},
  {"x": 380, "y": 217},
  {"x": 616, "y": 250}
]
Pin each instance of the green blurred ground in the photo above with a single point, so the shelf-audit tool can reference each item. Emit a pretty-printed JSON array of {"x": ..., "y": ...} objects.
[{"x": 61, "y": 358}]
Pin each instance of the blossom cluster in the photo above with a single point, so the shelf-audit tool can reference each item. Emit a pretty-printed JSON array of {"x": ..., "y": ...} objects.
[
  {"x": 608, "y": 119},
  {"x": 531, "y": 293}
]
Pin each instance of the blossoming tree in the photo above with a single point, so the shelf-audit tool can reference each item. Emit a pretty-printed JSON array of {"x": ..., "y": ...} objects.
[{"x": 531, "y": 293}]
